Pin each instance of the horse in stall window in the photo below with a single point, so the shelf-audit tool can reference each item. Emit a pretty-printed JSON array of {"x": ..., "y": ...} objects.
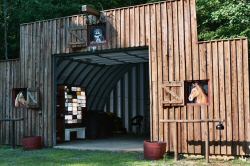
[
  {"x": 20, "y": 100},
  {"x": 198, "y": 94}
]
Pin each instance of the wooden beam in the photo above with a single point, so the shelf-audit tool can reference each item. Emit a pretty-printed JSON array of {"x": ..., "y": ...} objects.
[
  {"x": 191, "y": 121},
  {"x": 173, "y": 83},
  {"x": 173, "y": 94},
  {"x": 167, "y": 102},
  {"x": 207, "y": 142},
  {"x": 15, "y": 119},
  {"x": 89, "y": 10},
  {"x": 176, "y": 142}
]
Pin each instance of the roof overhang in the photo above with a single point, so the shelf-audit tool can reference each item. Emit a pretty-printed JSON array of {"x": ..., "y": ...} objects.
[{"x": 110, "y": 56}]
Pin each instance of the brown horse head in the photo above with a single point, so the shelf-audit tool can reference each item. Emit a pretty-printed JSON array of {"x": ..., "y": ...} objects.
[{"x": 198, "y": 93}]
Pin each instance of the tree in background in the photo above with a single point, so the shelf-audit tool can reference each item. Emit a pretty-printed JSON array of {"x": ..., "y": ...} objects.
[
  {"x": 216, "y": 18},
  {"x": 223, "y": 19},
  {"x": 23, "y": 11}
]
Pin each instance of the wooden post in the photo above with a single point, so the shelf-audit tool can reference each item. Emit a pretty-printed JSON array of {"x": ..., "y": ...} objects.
[
  {"x": 207, "y": 143},
  {"x": 89, "y": 10},
  {"x": 13, "y": 135},
  {"x": 207, "y": 121},
  {"x": 176, "y": 142}
]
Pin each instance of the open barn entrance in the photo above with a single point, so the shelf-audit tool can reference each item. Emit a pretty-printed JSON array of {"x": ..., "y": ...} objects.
[{"x": 102, "y": 96}]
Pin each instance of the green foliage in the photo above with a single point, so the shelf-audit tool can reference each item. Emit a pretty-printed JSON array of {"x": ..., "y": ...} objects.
[
  {"x": 223, "y": 19},
  {"x": 216, "y": 18}
]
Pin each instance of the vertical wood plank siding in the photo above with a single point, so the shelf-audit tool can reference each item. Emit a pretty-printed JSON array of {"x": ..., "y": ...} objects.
[
  {"x": 169, "y": 28},
  {"x": 227, "y": 71},
  {"x": 9, "y": 78}
]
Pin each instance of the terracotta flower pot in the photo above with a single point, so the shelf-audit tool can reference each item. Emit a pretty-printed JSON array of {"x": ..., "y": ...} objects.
[
  {"x": 154, "y": 150},
  {"x": 32, "y": 142}
]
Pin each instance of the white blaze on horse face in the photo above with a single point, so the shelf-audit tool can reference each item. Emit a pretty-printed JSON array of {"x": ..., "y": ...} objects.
[
  {"x": 193, "y": 94},
  {"x": 16, "y": 101},
  {"x": 198, "y": 93}
]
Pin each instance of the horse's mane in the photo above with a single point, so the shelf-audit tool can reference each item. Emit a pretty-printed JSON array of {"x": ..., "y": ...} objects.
[{"x": 200, "y": 87}]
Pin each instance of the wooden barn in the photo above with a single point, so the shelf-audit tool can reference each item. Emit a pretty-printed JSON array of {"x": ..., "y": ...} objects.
[{"x": 137, "y": 60}]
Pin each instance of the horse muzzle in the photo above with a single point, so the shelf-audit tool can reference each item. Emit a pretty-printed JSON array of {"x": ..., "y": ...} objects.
[{"x": 190, "y": 98}]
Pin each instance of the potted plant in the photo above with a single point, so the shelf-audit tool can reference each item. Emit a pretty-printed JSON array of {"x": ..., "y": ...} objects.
[{"x": 154, "y": 150}]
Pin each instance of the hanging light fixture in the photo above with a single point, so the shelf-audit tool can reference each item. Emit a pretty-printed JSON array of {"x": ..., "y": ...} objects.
[
  {"x": 89, "y": 12},
  {"x": 86, "y": 9},
  {"x": 220, "y": 126}
]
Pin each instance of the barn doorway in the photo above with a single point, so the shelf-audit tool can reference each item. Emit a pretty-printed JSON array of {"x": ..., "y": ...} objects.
[{"x": 102, "y": 96}]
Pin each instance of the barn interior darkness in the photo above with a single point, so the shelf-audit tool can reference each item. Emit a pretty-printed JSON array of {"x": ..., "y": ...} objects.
[{"x": 116, "y": 85}]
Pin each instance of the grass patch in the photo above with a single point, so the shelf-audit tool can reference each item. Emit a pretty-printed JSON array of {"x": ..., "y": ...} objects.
[
  {"x": 60, "y": 157},
  {"x": 54, "y": 157}
]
